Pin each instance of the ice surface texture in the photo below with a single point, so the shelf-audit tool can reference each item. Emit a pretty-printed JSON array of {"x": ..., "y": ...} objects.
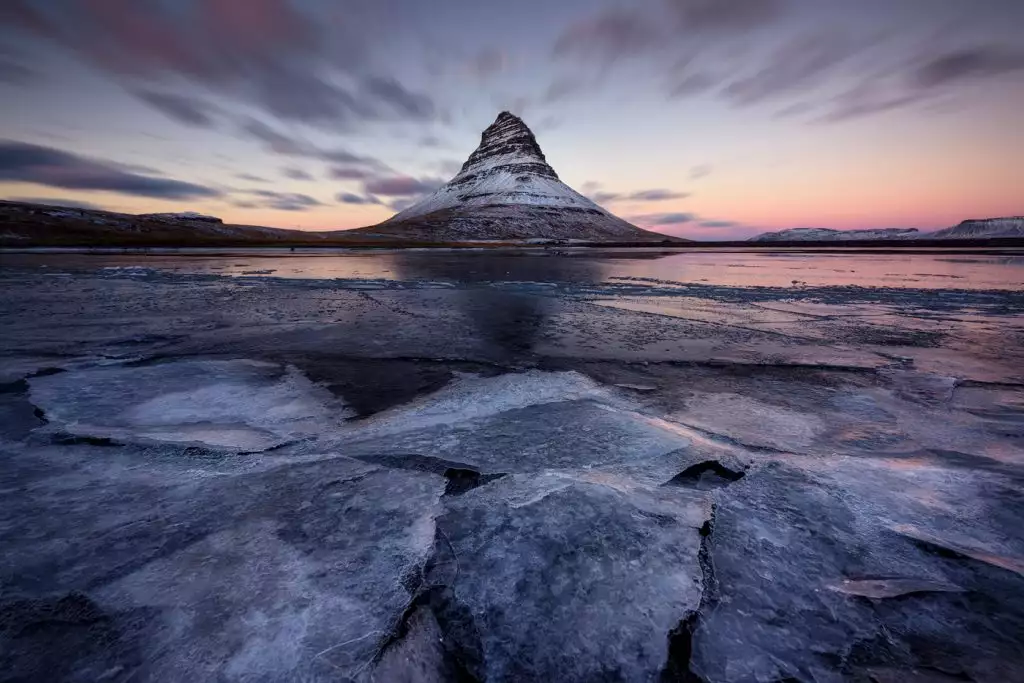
[{"x": 507, "y": 481}]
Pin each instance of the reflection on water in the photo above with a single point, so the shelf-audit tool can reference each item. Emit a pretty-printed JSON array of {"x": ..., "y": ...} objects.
[
  {"x": 510, "y": 321},
  {"x": 716, "y": 267}
]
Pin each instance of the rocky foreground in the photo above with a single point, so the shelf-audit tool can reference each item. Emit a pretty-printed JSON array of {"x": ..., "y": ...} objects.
[{"x": 506, "y": 478}]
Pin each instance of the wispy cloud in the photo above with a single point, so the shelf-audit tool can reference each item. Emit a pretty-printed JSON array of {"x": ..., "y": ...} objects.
[{"x": 27, "y": 163}]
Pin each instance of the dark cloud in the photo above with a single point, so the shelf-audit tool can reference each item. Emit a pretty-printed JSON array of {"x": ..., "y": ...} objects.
[
  {"x": 401, "y": 186},
  {"x": 350, "y": 198},
  {"x": 718, "y": 224},
  {"x": 411, "y": 105},
  {"x": 602, "y": 197},
  {"x": 50, "y": 201},
  {"x": 488, "y": 62},
  {"x": 859, "y": 103},
  {"x": 690, "y": 84},
  {"x": 250, "y": 177},
  {"x": 14, "y": 71},
  {"x": 296, "y": 174},
  {"x": 285, "y": 201},
  {"x": 613, "y": 34},
  {"x": 182, "y": 108},
  {"x": 287, "y": 58},
  {"x": 350, "y": 173},
  {"x": 27, "y": 163},
  {"x": 726, "y": 15},
  {"x": 797, "y": 65},
  {"x": 402, "y": 203},
  {"x": 968, "y": 64},
  {"x": 283, "y": 144}
]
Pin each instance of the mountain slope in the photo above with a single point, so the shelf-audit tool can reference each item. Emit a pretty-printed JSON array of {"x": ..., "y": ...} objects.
[
  {"x": 507, "y": 190},
  {"x": 983, "y": 229},
  {"x": 830, "y": 235}
]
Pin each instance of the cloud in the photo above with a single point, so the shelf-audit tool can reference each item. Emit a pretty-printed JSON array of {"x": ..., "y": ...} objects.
[
  {"x": 430, "y": 141},
  {"x": 184, "y": 109},
  {"x": 28, "y": 163},
  {"x": 412, "y": 105},
  {"x": 350, "y": 198},
  {"x": 651, "y": 219},
  {"x": 701, "y": 171},
  {"x": 276, "y": 142},
  {"x": 562, "y": 88},
  {"x": 14, "y": 70},
  {"x": 296, "y": 174},
  {"x": 690, "y": 84},
  {"x": 402, "y": 203},
  {"x": 611, "y": 35},
  {"x": 250, "y": 177},
  {"x": 799, "y": 64},
  {"x": 968, "y": 64},
  {"x": 50, "y": 201},
  {"x": 285, "y": 201},
  {"x": 488, "y": 62},
  {"x": 295, "y": 61},
  {"x": 654, "y": 195},
  {"x": 350, "y": 173},
  {"x": 718, "y": 224},
  {"x": 401, "y": 186},
  {"x": 726, "y": 15},
  {"x": 449, "y": 167}
]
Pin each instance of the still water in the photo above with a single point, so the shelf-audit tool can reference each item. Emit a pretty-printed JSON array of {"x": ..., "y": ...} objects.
[{"x": 953, "y": 270}]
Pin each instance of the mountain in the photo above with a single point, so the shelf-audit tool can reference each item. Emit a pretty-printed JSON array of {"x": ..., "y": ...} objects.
[
  {"x": 983, "y": 229},
  {"x": 25, "y": 224},
  {"x": 507, "y": 190},
  {"x": 829, "y": 235}
]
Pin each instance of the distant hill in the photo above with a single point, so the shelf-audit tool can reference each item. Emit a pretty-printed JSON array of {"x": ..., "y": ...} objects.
[
  {"x": 23, "y": 224},
  {"x": 829, "y": 235},
  {"x": 986, "y": 228},
  {"x": 507, "y": 190}
]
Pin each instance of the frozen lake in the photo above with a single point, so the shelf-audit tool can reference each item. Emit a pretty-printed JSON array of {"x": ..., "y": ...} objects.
[
  {"x": 428, "y": 466},
  {"x": 953, "y": 270}
]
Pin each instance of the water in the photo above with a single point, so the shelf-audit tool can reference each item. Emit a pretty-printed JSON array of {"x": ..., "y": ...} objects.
[{"x": 948, "y": 270}]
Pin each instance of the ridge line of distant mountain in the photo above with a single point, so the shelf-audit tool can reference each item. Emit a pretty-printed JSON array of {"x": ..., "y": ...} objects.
[
  {"x": 975, "y": 228},
  {"x": 24, "y": 224}
]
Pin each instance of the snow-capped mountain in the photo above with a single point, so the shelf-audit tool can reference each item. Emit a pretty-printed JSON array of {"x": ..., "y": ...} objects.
[
  {"x": 829, "y": 235},
  {"x": 507, "y": 190},
  {"x": 1012, "y": 226}
]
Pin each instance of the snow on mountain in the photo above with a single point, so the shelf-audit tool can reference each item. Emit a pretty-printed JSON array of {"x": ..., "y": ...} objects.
[
  {"x": 181, "y": 216},
  {"x": 507, "y": 190},
  {"x": 829, "y": 235},
  {"x": 1012, "y": 226}
]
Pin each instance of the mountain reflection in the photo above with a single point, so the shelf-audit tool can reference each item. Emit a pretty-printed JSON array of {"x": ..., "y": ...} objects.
[{"x": 509, "y": 321}]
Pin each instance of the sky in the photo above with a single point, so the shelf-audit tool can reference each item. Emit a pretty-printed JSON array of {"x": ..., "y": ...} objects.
[{"x": 708, "y": 119}]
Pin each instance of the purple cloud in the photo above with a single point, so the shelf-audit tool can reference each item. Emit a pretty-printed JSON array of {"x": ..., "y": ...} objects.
[{"x": 28, "y": 163}]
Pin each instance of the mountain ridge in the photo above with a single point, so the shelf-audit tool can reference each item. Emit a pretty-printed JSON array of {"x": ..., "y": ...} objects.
[{"x": 506, "y": 189}]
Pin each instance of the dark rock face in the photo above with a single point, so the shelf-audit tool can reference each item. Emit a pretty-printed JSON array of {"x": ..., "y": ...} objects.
[
  {"x": 507, "y": 190},
  {"x": 509, "y": 136}
]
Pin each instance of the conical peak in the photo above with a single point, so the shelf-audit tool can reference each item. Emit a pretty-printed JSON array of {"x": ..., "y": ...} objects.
[{"x": 509, "y": 142}]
